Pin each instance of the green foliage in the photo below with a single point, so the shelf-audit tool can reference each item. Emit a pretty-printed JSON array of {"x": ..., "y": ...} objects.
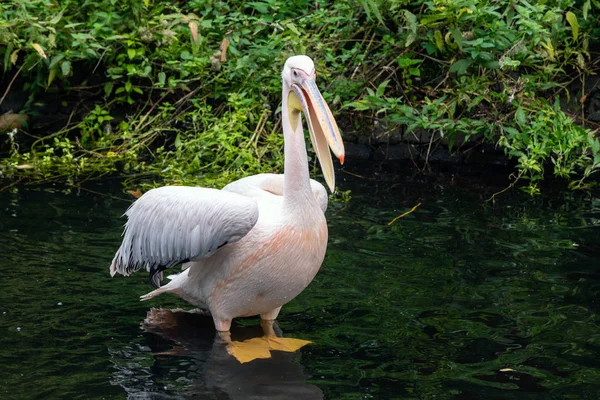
[
  {"x": 544, "y": 134},
  {"x": 484, "y": 69},
  {"x": 165, "y": 102},
  {"x": 189, "y": 90}
]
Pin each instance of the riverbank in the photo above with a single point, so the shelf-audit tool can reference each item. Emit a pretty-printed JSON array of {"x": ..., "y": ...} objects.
[{"x": 190, "y": 92}]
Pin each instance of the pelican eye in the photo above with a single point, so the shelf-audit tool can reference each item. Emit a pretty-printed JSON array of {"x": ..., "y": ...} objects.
[{"x": 295, "y": 73}]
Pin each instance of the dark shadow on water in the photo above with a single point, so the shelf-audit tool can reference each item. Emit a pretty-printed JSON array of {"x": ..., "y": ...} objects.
[{"x": 184, "y": 345}]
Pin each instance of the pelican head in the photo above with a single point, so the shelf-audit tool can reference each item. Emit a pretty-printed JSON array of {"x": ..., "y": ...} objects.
[{"x": 303, "y": 96}]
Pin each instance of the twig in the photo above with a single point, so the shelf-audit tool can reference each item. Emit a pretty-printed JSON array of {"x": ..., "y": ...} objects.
[
  {"x": 366, "y": 51},
  {"x": 98, "y": 63},
  {"x": 356, "y": 175},
  {"x": 137, "y": 128},
  {"x": 12, "y": 184},
  {"x": 104, "y": 194},
  {"x": 429, "y": 150},
  {"x": 11, "y": 82},
  {"x": 512, "y": 184},
  {"x": 404, "y": 215}
]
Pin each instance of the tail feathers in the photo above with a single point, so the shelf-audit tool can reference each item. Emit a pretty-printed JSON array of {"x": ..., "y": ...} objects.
[
  {"x": 154, "y": 293},
  {"x": 116, "y": 267},
  {"x": 113, "y": 265},
  {"x": 113, "y": 269}
]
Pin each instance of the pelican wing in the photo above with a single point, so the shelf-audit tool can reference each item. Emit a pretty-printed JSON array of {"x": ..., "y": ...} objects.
[
  {"x": 256, "y": 185},
  {"x": 175, "y": 224}
]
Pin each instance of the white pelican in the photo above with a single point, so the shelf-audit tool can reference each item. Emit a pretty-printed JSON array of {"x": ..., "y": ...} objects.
[{"x": 254, "y": 245}]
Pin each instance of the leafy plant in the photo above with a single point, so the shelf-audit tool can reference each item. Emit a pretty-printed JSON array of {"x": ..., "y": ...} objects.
[{"x": 189, "y": 91}]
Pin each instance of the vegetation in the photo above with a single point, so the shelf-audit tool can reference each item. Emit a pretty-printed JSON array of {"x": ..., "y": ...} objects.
[{"x": 188, "y": 90}]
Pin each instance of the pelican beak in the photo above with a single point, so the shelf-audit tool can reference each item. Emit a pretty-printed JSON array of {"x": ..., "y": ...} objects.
[{"x": 322, "y": 127}]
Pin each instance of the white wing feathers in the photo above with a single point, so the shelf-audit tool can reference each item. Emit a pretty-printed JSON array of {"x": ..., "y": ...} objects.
[
  {"x": 175, "y": 224},
  {"x": 257, "y": 185}
]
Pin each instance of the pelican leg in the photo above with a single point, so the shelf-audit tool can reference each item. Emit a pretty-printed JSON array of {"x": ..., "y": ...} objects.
[
  {"x": 222, "y": 325},
  {"x": 261, "y": 347},
  {"x": 271, "y": 315}
]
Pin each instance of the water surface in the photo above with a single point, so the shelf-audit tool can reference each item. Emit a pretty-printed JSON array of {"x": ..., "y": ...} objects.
[{"x": 461, "y": 299}]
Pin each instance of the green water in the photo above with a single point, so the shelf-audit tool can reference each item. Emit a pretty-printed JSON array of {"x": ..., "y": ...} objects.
[{"x": 461, "y": 299}]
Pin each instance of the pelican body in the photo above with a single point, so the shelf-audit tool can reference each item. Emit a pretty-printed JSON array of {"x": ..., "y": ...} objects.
[{"x": 254, "y": 245}]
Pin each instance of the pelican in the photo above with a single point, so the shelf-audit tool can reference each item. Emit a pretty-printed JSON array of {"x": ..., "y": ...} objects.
[{"x": 254, "y": 245}]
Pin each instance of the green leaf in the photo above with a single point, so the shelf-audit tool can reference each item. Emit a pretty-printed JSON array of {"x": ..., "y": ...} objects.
[
  {"x": 65, "y": 68},
  {"x": 405, "y": 62},
  {"x": 375, "y": 9},
  {"x": 458, "y": 37},
  {"x": 439, "y": 40},
  {"x": 108, "y": 87},
  {"x": 55, "y": 60},
  {"x": 381, "y": 88},
  {"x": 259, "y": 6},
  {"x": 412, "y": 25},
  {"x": 586, "y": 9},
  {"x": 293, "y": 28},
  {"x": 521, "y": 117},
  {"x": 371, "y": 6},
  {"x": 131, "y": 53},
  {"x": 56, "y": 18},
  {"x": 461, "y": 66},
  {"x": 511, "y": 131},
  {"x": 572, "y": 18},
  {"x": 51, "y": 76},
  {"x": 162, "y": 78},
  {"x": 360, "y": 105},
  {"x": 7, "y": 55},
  {"x": 429, "y": 47},
  {"x": 492, "y": 64}
]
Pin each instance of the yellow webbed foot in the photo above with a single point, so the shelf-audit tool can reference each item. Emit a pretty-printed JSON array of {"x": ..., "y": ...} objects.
[
  {"x": 261, "y": 347},
  {"x": 290, "y": 345}
]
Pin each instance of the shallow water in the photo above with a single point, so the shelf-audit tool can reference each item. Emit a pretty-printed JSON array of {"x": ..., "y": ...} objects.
[{"x": 461, "y": 299}]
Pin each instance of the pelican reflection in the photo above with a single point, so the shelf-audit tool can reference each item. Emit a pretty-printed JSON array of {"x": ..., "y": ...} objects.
[{"x": 190, "y": 359}]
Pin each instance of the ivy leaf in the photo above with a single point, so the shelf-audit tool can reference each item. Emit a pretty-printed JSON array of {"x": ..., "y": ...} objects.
[{"x": 572, "y": 18}]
